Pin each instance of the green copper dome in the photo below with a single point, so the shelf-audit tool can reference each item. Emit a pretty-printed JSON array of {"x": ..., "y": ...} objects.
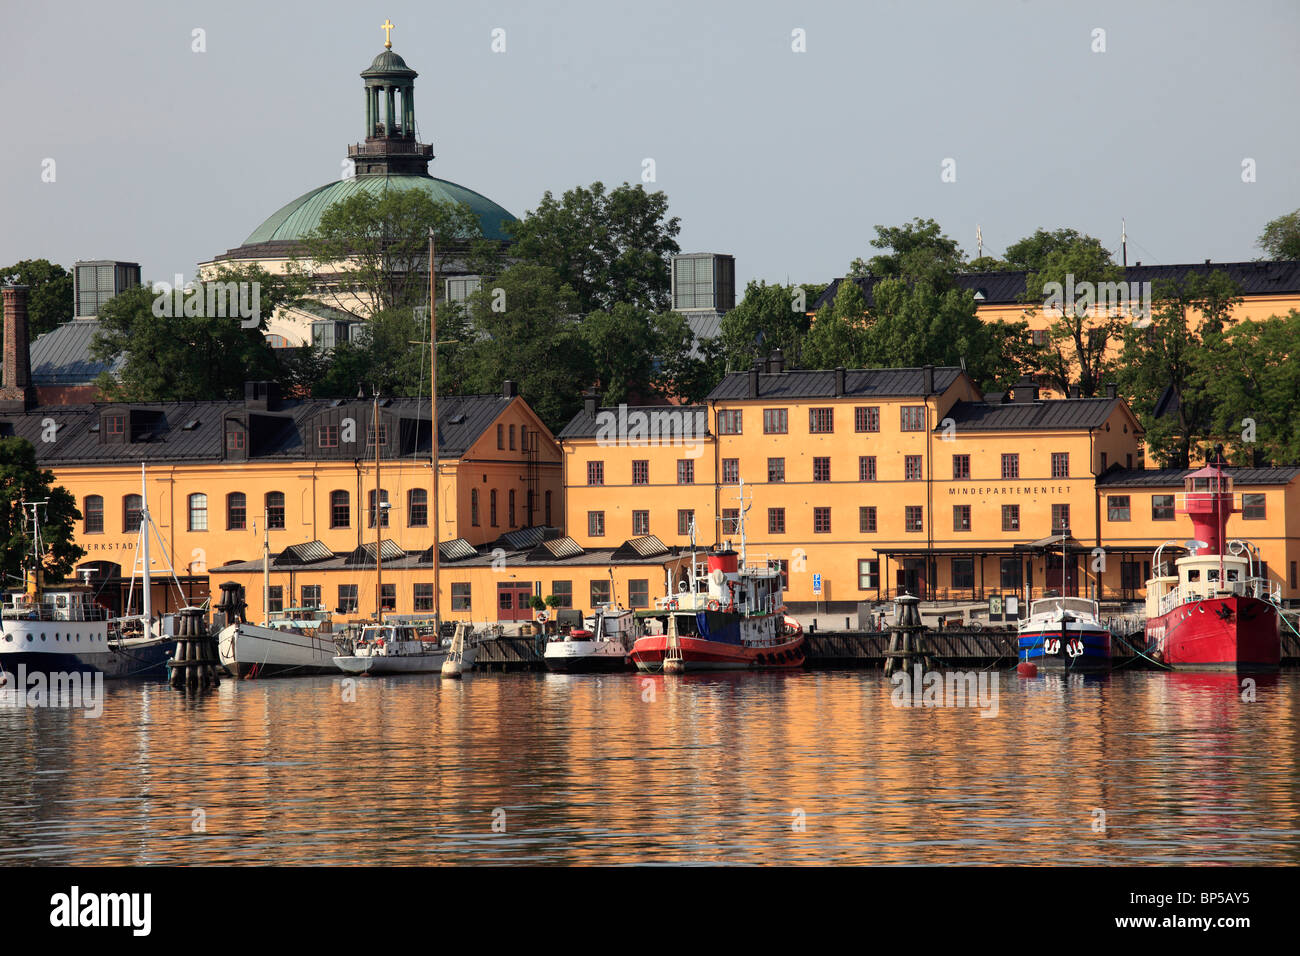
[
  {"x": 302, "y": 216},
  {"x": 389, "y": 63}
]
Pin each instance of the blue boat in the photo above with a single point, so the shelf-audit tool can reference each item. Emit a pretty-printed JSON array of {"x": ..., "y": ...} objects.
[{"x": 1066, "y": 634}]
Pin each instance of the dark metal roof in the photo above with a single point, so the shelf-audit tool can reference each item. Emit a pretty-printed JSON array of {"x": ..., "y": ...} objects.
[
  {"x": 858, "y": 383},
  {"x": 62, "y": 355},
  {"x": 1048, "y": 414},
  {"x": 681, "y": 421},
  {"x": 1173, "y": 477},
  {"x": 282, "y": 433},
  {"x": 599, "y": 558},
  {"x": 1006, "y": 288}
]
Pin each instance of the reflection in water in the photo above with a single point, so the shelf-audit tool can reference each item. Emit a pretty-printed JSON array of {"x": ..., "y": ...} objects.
[{"x": 812, "y": 767}]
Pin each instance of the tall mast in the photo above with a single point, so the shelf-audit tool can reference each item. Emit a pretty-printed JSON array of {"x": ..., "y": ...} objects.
[
  {"x": 433, "y": 427},
  {"x": 379, "y": 521},
  {"x": 147, "y": 596}
]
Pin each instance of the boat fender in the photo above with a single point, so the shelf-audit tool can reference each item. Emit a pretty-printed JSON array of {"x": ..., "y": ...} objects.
[
  {"x": 714, "y": 605},
  {"x": 379, "y": 643},
  {"x": 672, "y": 605}
]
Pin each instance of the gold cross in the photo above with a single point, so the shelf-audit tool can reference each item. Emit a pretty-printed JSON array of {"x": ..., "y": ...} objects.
[{"x": 387, "y": 27}]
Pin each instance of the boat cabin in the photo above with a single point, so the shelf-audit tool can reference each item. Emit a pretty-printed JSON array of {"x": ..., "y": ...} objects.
[
  {"x": 66, "y": 604},
  {"x": 1051, "y": 608}
]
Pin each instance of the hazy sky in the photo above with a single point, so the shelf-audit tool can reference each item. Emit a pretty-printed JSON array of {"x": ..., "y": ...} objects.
[{"x": 785, "y": 159}]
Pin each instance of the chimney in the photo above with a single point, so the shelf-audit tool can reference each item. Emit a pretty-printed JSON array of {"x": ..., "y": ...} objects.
[
  {"x": 927, "y": 379},
  {"x": 1111, "y": 390},
  {"x": 1074, "y": 391},
  {"x": 776, "y": 362},
  {"x": 1025, "y": 390},
  {"x": 753, "y": 381},
  {"x": 262, "y": 396},
  {"x": 16, "y": 392},
  {"x": 590, "y": 400},
  {"x": 509, "y": 389},
  {"x": 839, "y": 382}
]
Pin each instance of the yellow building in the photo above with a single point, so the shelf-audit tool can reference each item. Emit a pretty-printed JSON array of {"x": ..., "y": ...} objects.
[
  {"x": 299, "y": 475},
  {"x": 865, "y": 482}
]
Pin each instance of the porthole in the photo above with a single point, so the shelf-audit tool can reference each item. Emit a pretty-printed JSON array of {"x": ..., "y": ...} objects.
[
  {"x": 9, "y": 638},
  {"x": 56, "y": 635},
  {"x": 42, "y": 637},
  {"x": 29, "y": 638}
]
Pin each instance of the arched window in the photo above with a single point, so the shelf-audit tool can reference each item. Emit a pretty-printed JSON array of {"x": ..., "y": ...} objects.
[
  {"x": 473, "y": 507},
  {"x": 340, "y": 509},
  {"x": 275, "y": 510},
  {"x": 94, "y": 512},
  {"x": 198, "y": 512},
  {"x": 131, "y": 509},
  {"x": 511, "y": 507},
  {"x": 492, "y": 507},
  {"x": 370, "y": 508},
  {"x": 236, "y": 511},
  {"x": 417, "y": 508}
]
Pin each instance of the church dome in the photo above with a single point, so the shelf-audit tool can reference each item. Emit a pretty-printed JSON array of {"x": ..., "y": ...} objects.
[
  {"x": 389, "y": 63},
  {"x": 296, "y": 219}
]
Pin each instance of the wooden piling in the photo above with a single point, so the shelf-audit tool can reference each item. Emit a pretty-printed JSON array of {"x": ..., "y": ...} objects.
[
  {"x": 907, "y": 636},
  {"x": 195, "y": 665}
]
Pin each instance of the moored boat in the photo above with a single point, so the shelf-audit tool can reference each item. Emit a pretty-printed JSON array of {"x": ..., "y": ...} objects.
[
  {"x": 735, "y": 620},
  {"x": 298, "y": 641},
  {"x": 401, "y": 648},
  {"x": 1212, "y": 609},
  {"x": 602, "y": 644},
  {"x": 1064, "y": 633}
]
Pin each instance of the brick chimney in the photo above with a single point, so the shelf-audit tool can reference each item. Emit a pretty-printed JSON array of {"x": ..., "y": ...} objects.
[{"x": 17, "y": 394}]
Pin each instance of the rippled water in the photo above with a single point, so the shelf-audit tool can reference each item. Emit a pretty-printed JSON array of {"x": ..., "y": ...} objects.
[{"x": 616, "y": 769}]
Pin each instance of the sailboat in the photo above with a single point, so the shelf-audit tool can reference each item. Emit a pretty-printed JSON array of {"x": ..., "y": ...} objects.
[
  {"x": 140, "y": 646},
  {"x": 405, "y": 646}
]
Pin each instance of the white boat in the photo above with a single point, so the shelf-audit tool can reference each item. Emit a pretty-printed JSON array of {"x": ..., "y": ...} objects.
[
  {"x": 298, "y": 641},
  {"x": 601, "y": 644},
  {"x": 1065, "y": 633},
  {"x": 401, "y": 648}
]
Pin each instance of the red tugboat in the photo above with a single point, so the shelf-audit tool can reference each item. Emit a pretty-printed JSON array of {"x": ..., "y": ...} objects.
[
  {"x": 723, "y": 615},
  {"x": 1214, "y": 610}
]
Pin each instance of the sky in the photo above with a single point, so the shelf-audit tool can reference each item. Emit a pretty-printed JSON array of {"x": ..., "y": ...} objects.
[{"x": 782, "y": 131}]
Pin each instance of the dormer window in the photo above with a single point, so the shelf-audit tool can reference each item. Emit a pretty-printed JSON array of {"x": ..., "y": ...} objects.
[
  {"x": 370, "y": 436},
  {"x": 327, "y": 436},
  {"x": 234, "y": 439},
  {"x": 114, "y": 427}
]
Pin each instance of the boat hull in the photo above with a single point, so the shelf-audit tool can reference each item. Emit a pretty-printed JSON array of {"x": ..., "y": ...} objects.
[
  {"x": 699, "y": 654},
  {"x": 429, "y": 662},
  {"x": 248, "y": 650},
  {"x": 566, "y": 660},
  {"x": 1234, "y": 632},
  {"x": 1054, "y": 648},
  {"x": 139, "y": 659}
]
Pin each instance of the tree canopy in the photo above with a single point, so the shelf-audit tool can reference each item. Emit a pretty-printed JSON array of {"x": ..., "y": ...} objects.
[
  {"x": 1281, "y": 237},
  {"x": 21, "y": 480},
  {"x": 49, "y": 294},
  {"x": 607, "y": 247}
]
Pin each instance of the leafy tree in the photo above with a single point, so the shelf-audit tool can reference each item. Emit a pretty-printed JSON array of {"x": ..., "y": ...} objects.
[
  {"x": 607, "y": 247},
  {"x": 534, "y": 340},
  {"x": 378, "y": 247},
  {"x": 1032, "y": 253},
  {"x": 767, "y": 318},
  {"x": 1281, "y": 237},
  {"x": 917, "y": 250},
  {"x": 193, "y": 357},
  {"x": 21, "y": 480},
  {"x": 1179, "y": 352},
  {"x": 389, "y": 353},
  {"x": 49, "y": 295},
  {"x": 839, "y": 337},
  {"x": 1255, "y": 380},
  {"x": 1079, "y": 338},
  {"x": 988, "y": 264}
]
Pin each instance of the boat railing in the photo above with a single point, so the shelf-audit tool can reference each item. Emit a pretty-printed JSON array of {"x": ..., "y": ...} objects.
[{"x": 1253, "y": 587}]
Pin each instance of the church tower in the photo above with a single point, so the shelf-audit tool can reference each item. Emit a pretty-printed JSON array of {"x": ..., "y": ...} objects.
[{"x": 390, "y": 147}]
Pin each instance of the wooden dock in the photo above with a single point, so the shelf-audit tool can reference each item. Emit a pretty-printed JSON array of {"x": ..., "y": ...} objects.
[{"x": 825, "y": 649}]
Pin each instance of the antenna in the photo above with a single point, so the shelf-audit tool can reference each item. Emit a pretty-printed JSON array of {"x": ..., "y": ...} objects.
[{"x": 1123, "y": 240}]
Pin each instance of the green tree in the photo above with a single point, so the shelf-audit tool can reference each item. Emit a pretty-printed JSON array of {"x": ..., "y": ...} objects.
[
  {"x": 607, "y": 247},
  {"x": 839, "y": 335},
  {"x": 527, "y": 333},
  {"x": 1032, "y": 253},
  {"x": 988, "y": 264},
  {"x": 389, "y": 353},
  {"x": 378, "y": 247},
  {"x": 1178, "y": 352},
  {"x": 1064, "y": 286},
  {"x": 768, "y": 317},
  {"x": 1281, "y": 237},
  {"x": 22, "y": 480},
  {"x": 916, "y": 250},
  {"x": 195, "y": 357},
  {"x": 1253, "y": 388},
  {"x": 49, "y": 294}
]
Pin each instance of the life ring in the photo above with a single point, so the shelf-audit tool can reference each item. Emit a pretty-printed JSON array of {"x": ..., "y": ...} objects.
[
  {"x": 543, "y": 617},
  {"x": 379, "y": 643},
  {"x": 672, "y": 605},
  {"x": 714, "y": 605}
]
